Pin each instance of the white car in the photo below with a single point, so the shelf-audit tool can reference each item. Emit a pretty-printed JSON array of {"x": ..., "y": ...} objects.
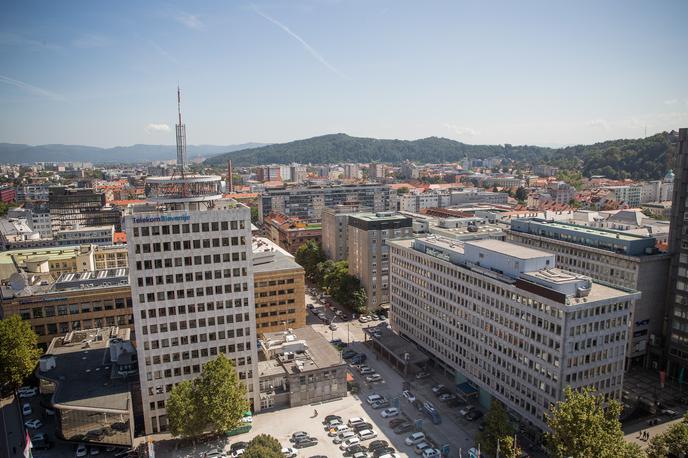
[
  {"x": 390, "y": 412},
  {"x": 367, "y": 370},
  {"x": 374, "y": 378},
  {"x": 289, "y": 452},
  {"x": 337, "y": 430},
  {"x": 415, "y": 438},
  {"x": 465, "y": 411},
  {"x": 367, "y": 434},
  {"x": 349, "y": 442},
  {"x": 436, "y": 389},
  {"x": 33, "y": 424},
  {"x": 431, "y": 453},
  {"x": 373, "y": 397},
  {"x": 26, "y": 409},
  {"x": 421, "y": 446},
  {"x": 95, "y": 451},
  {"x": 408, "y": 395},
  {"x": 81, "y": 450},
  {"x": 343, "y": 437},
  {"x": 390, "y": 455}
]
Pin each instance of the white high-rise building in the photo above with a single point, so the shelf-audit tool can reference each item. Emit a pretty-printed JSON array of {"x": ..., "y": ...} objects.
[
  {"x": 192, "y": 290},
  {"x": 190, "y": 264}
]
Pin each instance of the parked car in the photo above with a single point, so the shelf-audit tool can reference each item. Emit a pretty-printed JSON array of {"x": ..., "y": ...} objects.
[
  {"x": 297, "y": 435},
  {"x": 358, "y": 427},
  {"x": 367, "y": 434},
  {"x": 380, "y": 404},
  {"x": 374, "y": 445},
  {"x": 463, "y": 412},
  {"x": 474, "y": 415},
  {"x": 373, "y": 398},
  {"x": 352, "y": 421},
  {"x": 289, "y": 452},
  {"x": 391, "y": 455},
  {"x": 360, "y": 358},
  {"x": 349, "y": 442},
  {"x": 356, "y": 448},
  {"x": 343, "y": 437},
  {"x": 373, "y": 378},
  {"x": 418, "y": 449},
  {"x": 414, "y": 439},
  {"x": 33, "y": 424},
  {"x": 408, "y": 395},
  {"x": 331, "y": 417},
  {"x": 365, "y": 370},
  {"x": 81, "y": 450},
  {"x": 332, "y": 423},
  {"x": 26, "y": 409},
  {"x": 447, "y": 397},
  {"x": 348, "y": 354},
  {"x": 384, "y": 451},
  {"x": 40, "y": 441},
  {"x": 336, "y": 430},
  {"x": 212, "y": 453},
  {"x": 394, "y": 422},
  {"x": 431, "y": 453},
  {"x": 306, "y": 442},
  {"x": 403, "y": 428},
  {"x": 363, "y": 319},
  {"x": 438, "y": 389},
  {"x": 390, "y": 412},
  {"x": 422, "y": 375},
  {"x": 237, "y": 448}
]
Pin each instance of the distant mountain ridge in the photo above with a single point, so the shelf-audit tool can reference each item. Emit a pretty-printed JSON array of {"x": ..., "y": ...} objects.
[
  {"x": 646, "y": 158},
  {"x": 13, "y": 153}
]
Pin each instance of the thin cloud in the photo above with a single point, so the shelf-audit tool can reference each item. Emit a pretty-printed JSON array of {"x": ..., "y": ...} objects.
[
  {"x": 14, "y": 39},
  {"x": 30, "y": 88},
  {"x": 153, "y": 128},
  {"x": 671, "y": 102},
  {"x": 461, "y": 131},
  {"x": 316, "y": 55},
  {"x": 598, "y": 123},
  {"x": 163, "y": 52},
  {"x": 190, "y": 21}
]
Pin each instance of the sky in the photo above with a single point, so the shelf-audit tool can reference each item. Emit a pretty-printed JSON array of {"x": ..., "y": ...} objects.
[{"x": 482, "y": 72}]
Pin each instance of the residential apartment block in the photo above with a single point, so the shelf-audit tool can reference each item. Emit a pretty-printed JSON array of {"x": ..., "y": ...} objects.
[
  {"x": 368, "y": 252},
  {"x": 335, "y": 222},
  {"x": 307, "y": 203},
  {"x": 614, "y": 257},
  {"x": 503, "y": 319}
]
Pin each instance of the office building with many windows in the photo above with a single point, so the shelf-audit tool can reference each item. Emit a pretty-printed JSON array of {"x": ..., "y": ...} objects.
[{"x": 507, "y": 323}]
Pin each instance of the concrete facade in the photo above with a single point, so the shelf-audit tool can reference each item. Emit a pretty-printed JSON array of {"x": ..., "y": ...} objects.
[{"x": 503, "y": 319}]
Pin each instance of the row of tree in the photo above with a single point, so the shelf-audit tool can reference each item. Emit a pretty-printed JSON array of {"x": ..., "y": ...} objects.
[{"x": 331, "y": 276}]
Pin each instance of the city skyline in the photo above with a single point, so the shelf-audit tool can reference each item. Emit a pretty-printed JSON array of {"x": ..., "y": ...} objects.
[{"x": 276, "y": 72}]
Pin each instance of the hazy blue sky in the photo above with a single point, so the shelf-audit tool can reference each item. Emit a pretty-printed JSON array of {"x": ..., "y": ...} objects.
[{"x": 536, "y": 72}]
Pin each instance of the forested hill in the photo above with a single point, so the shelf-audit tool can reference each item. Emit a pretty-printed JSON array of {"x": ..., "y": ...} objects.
[{"x": 647, "y": 158}]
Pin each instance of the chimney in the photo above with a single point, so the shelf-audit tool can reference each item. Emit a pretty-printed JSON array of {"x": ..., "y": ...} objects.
[{"x": 230, "y": 182}]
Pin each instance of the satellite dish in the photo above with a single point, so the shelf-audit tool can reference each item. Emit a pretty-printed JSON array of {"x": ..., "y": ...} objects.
[{"x": 17, "y": 281}]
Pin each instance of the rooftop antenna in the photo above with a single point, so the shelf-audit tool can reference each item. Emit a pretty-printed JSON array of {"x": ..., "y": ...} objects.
[{"x": 181, "y": 137}]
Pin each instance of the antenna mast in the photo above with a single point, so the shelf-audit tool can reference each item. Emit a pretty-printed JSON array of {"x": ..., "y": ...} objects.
[{"x": 181, "y": 137}]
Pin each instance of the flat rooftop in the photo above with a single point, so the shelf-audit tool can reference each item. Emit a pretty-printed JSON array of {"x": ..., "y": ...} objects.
[
  {"x": 301, "y": 350},
  {"x": 509, "y": 249},
  {"x": 84, "y": 373},
  {"x": 380, "y": 216}
]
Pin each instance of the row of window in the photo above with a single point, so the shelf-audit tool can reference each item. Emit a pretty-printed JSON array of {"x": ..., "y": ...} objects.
[
  {"x": 171, "y": 342},
  {"x": 48, "y": 311},
  {"x": 190, "y": 261},
  {"x": 167, "y": 229},
  {"x": 183, "y": 245},
  {"x": 194, "y": 308}
]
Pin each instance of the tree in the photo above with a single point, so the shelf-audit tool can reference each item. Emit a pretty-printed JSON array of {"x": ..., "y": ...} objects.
[
  {"x": 263, "y": 446},
  {"x": 403, "y": 190},
  {"x": 254, "y": 215},
  {"x": 360, "y": 300},
  {"x": 215, "y": 401},
  {"x": 309, "y": 255},
  {"x": 221, "y": 394},
  {"x": 19, "y": 351},
  {"x": 497, "y": 427},
  {"x": 508, "y": 448},
  {"x": 322, "y": 270},
  {"x": 521, "y": 194},
  {"x": 183, "y": 411},
  {"x": 671, "y": 442},
  {"x": 583, "y": 425}
]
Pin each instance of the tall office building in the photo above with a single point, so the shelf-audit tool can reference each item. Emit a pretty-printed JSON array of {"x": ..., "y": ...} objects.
[
  {"x": 368, "y": 252},
  {"x": 508, "y": 324},
  {"x": 192, "y": 284},
  {"x": 677, "y": 302}
]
